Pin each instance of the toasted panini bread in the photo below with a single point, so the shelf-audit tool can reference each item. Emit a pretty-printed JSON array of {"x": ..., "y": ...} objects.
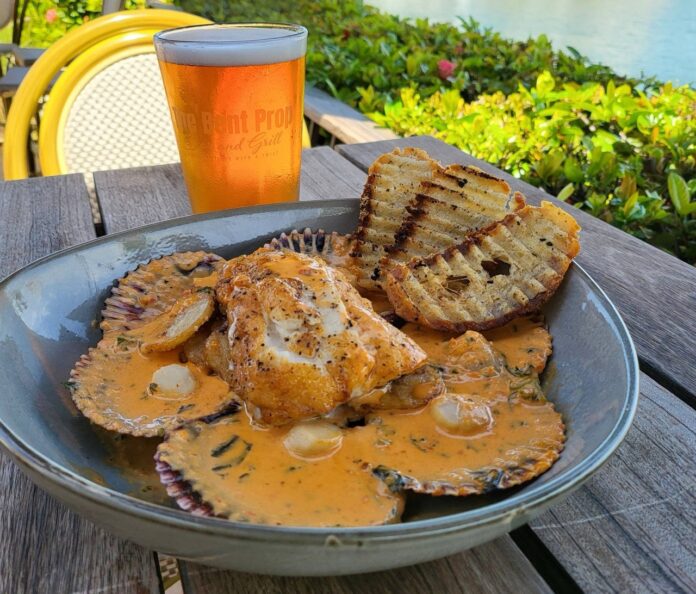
[
  {"x": 458, "y": 201},
  {"x": 498, "y": 273},
  {"x": 392, "y": 183}
]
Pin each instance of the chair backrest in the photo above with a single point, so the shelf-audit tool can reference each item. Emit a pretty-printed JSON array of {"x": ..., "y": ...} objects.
[{"x": 107, "y": 109}]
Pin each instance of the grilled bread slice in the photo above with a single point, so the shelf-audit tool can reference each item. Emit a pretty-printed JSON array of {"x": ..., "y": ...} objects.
[
  {"x": 498, "y": 273},
  {"x": 457, "y": 201},
  {"x": 392, "y": 183}
]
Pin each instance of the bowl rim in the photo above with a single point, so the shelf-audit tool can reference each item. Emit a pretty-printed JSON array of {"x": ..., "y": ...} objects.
[{"x": 518, "y": 504}]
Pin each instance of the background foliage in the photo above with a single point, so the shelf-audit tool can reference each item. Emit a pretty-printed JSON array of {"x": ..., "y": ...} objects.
[
  {"x": 617, "y": 152},
  {"x": 621, "y": 148},
  {"x": 624, "y": 149},
  {"x": 48, "y": 20}
]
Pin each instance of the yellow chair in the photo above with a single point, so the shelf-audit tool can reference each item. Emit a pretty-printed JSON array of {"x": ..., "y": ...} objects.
[{"x": 107, "y": 110}]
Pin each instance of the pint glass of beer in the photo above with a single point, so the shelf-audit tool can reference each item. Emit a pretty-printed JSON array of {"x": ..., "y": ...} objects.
[{"x": 235, "y": 93}]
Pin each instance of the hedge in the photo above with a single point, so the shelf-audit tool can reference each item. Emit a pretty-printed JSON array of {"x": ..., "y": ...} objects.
[{"x": 622, "y": 148}]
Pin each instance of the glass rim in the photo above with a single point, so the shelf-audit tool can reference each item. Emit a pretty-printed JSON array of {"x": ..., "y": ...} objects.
[{"x": 298, "y": 31}]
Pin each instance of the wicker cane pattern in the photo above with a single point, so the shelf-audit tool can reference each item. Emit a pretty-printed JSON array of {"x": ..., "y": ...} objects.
[{"x": 120, "y": 119}]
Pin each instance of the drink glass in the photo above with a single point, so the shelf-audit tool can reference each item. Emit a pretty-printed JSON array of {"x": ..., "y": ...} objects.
[{"x": 235, "y": 94}]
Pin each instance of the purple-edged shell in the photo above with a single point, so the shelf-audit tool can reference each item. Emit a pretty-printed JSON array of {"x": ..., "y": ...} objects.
[
  {"x": 226, "y": 467},
  {"x": 113, "y": 386},
  {"x": 333, "y": 247},
  {"x": 180, "y": 490},
  {"x": 153, "y": 287}
]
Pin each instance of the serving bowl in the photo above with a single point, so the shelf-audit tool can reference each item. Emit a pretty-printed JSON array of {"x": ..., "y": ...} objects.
[{"x": 49, "y": 315}]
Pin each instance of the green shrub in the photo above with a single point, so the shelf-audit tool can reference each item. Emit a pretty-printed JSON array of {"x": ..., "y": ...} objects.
[
  {"x": 353, "y": 46},
  {"x": 48, "y": 20},
  {"x": 612, "y": 150},
  {"x": 620, "y": 148}
]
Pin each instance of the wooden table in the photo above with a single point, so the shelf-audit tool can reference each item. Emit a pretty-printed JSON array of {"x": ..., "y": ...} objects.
[{"x": 631, "y": 528}]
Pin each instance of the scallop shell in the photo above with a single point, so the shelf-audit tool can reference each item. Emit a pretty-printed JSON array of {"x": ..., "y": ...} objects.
[
  {"x": 327, "y": 246},
  {"x": 116, "y": 394},
  {"x": 424, "y": 460},
  {"x": 407, "y": 392},
  {"x": 176, "y": 325},
  {"x": 154, "y": 287},
  {"x": 226, "y": 467},
  {"x": 180, "y": 490}
]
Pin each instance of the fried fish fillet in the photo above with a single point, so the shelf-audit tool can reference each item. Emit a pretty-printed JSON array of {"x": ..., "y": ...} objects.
[
  {"x": 496, "y": 274},
  {"x": 393, "y": 182},
  {"x": 302, "y": 339},
  {"x": 458, "y": 201}
]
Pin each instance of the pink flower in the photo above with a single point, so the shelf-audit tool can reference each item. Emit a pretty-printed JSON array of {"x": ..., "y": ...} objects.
[
  {"x": 51, "y": 15},
  {"x": 445, "y": 68}
]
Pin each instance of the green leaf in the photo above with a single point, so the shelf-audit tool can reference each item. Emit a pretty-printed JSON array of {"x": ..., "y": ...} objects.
[
  {"x": 678, "y": 193},
  {"x": 630, "y": 204},
  {"x": 572, "y": 170},
  {"x": 545, "y": 83},
  {"x": 566, "y": 192}
]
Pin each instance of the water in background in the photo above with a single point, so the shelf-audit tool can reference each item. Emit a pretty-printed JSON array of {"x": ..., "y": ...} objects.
[{"x": 653, "y": 37}]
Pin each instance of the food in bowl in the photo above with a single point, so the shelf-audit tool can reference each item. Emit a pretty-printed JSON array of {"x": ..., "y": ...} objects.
[{"x": 290, "y": 388}]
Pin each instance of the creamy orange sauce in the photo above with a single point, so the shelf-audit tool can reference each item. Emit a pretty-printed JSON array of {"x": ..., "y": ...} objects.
[
  {"x": 200, "y": 282},
  {"x": 339, "y": 257},
  {"x": 246, "y": 473},
  {"x": 525, "y": 343},
  {"x": 115, "y": 389},
  {"x": 471, "y": 420},
  {"x": 525, "y": 438},
  {"x": 497, "y": 427},
  {"x": 378, "y": 299}
]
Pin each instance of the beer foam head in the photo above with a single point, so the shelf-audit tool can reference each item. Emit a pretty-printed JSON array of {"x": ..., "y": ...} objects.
[{"x": 232, "y": 45}]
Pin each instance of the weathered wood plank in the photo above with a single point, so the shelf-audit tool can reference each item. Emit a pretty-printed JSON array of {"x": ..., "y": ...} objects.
[
  {"x": 341, "y": 120},
  {"x": 139, "y": 196},
  {"x": 655, "y": 293},
  {"x": 494, "y": 567},
  {"x": 44, "y": 546},
  {"x": 631, "y": 527},
  {"x": 133, "y": 197},
  {"x": 326, "y": 175}
]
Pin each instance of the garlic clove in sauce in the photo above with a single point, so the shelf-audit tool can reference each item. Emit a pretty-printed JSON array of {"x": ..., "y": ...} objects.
[
  {"x": 313, "y": 439},
  {"x": 460, "y": 417},
  {"x": 174, "y": 379}
]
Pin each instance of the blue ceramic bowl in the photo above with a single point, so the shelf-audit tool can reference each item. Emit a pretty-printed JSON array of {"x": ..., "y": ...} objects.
[{"x": 48, "y": 314}]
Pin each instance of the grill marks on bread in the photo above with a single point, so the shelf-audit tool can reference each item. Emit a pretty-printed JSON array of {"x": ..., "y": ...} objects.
[
  {"x": 494, "y": 275},
  {"x": 458, "y": 201},
  {"x": 393, "y": 182}
]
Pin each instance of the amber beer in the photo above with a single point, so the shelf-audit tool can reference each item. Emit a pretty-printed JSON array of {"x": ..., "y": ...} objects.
[{"x": 235, "y": 93}]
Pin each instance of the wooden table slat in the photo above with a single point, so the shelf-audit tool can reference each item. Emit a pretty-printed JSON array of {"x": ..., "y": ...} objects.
[
  {"x": 44, "y": 546},
  {"x": 655, "y": 292},
  {"x": 325, "y": 174},
  {"x": 133, "y": 197},
  {"x": 341, "y": 120},
  {"x": 631, "y": 527},
  {"x": 496, "y": 567},
  {"x": 139, "y": 196}
]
